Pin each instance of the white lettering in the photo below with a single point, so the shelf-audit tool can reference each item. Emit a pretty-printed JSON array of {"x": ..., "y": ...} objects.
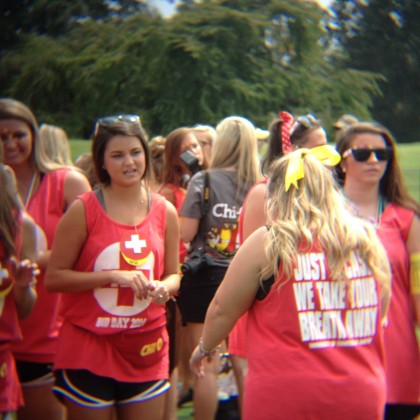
[
  {"x": 304, "y": 295},
  {"x": 222, "y": 210}
]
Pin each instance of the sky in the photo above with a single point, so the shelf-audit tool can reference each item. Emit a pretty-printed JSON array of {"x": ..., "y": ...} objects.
[{"x": 167, "y": 8}]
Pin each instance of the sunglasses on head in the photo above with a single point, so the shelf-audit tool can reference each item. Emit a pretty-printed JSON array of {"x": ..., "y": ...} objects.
[
  {"x": 362, "y": 155},
  {"x": 307, "y": 120},
  {"x": 111, "y": 120}
]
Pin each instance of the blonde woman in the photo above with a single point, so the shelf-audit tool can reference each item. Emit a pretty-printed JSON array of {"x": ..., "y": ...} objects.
[
  {"x": 55, "y": 143},
  {"x": 308, "y": 279},
  {"x": 211, "y": 228}
]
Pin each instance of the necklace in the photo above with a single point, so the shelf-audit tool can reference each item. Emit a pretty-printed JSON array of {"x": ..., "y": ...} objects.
[
  {"x": 375, "y": 221},
  {"x": 30, "y": 190}
]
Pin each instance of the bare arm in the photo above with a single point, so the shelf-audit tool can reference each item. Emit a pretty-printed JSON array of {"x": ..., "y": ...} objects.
[
  {"x": 24, "y": 274},
  {"x": 234, "y": 296},
  {"x": 253, "y": 212},
  {"x": 413, "y": 247},
  {"x": 29, "y": 244},
  {"x": 75, "y": 184},
  {"x": 169, "y": 283},
  {"x": 25, "y": 271},
  {"x": 189, "y": 228}
]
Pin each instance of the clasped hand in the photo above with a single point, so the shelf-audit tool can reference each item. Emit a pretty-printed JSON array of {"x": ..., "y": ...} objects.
[
  {"x": 142, "y": 287},
  {"x": 24, "y": 273}
]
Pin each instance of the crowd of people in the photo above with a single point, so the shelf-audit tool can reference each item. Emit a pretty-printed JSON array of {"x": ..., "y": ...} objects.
[{"x": 126, "y": 275}]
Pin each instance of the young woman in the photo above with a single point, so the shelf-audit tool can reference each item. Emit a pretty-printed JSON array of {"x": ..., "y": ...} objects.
[
  {"x": 285, "y": 135},
  {"x": 300, "y": 277},
  {"x": 115, "y": 260},
  {"x": 176, "y": 173},
  {"x": 46, "y": 190},
  {"x": 175, "y": 178},
  {"x": 210, "y": 223},
  {"x": 373, "y": 184}
]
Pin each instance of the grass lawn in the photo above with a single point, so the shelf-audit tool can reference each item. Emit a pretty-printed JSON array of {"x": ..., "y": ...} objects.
[
  {"x": 408, "y": 154},
  {"x": 78, "y": 147}
]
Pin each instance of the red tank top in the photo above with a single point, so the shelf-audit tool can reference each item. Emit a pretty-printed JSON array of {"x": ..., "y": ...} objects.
[
  {"x": 312, "y": 351},
  {"x": 401, "y": 348},
  {"x": 110, "y": 320},
  {"x": 40, "y": 329}
]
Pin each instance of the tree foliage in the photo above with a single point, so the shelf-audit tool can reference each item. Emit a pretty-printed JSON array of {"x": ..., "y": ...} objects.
[
  {"x": 383, "y": 36},
  {"x": 211, "y": 59}
]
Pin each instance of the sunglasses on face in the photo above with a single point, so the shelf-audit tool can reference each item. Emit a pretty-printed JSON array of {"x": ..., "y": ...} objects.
[
  {"x": 111, "y": 120},
  {"x": 362, "y": 155}
]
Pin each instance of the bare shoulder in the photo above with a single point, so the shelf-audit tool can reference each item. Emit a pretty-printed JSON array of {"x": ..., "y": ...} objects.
[
  {"x": 413, "y": 243},
  {"x": 76, "y": 183},
  {"x": 168, "y": 193},
  {"x": 171, "y": 210},
  {"x": 259, "y": 190}
]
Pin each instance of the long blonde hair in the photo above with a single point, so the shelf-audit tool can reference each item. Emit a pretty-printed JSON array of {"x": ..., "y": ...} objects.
[
  {"x": 316, "y": 213},
  {"x": 55, "y": 143},
  {"x": 236, "y": 146}
]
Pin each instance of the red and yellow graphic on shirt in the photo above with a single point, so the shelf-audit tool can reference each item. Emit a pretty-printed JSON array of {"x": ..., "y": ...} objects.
[
  {"x": 134, "y": 250},
  {"x": 223, "y": 240},
  {"x": 130, "y": 254}
]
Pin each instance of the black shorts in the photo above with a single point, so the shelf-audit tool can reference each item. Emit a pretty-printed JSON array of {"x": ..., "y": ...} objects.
[
  {"x": 197, "y": 291},
  {"x": 32, "y": 374},
  {"x": 401, "y": 411},
  {"x": 172, "y": 325},
  {"x": 94, "y": 391}
]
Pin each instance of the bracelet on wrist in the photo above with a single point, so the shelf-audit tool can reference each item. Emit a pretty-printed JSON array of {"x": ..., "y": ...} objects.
[{"x": 205, "y": 352}]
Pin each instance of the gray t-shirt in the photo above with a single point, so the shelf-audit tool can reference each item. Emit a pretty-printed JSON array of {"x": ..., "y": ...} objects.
[{"x": 218, "y": 228}]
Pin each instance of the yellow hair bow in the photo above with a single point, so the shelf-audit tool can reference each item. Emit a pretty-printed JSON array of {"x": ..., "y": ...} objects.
[{"x": 326, "y": 154}]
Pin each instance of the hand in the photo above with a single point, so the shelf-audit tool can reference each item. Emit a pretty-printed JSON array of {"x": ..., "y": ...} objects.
[
  {"x": 24, "y": 273},
  {"x": 158, "y": 292},
  {"x": 134, "y": 279},
  {"x": 197, "y": 362}
]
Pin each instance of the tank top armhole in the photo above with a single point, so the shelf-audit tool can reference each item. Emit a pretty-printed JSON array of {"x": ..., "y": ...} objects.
[{"x": 266, "y": 284}]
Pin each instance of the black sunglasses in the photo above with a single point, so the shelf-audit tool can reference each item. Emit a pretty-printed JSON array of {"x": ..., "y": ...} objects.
[
  {"x": 111, "y": 120},
  {"x": 362, "y": 155}
]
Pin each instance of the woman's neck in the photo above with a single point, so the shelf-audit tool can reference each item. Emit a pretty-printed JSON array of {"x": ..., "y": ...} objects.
[
  {"x": 23, "y": 171},
  {"x": 366, "y": 200},
  {"x": 28, "y": 180},
  {"x": 361, "y": 195}
]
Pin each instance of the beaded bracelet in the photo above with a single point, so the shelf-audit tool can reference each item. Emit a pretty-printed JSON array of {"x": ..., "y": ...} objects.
[{"x": 205, "y": 352}]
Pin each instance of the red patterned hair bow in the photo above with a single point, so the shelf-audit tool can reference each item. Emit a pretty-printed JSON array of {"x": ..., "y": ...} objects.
[{"x": 285, "y": 131}]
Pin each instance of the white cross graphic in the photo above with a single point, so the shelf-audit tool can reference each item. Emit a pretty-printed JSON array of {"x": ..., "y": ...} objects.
[{"x": 135, "y": 244}]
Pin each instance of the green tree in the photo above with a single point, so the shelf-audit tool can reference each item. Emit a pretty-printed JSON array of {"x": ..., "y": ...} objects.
[
  {"x": 210, "y": 60},
  {"x": 383, "y": 36}
]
